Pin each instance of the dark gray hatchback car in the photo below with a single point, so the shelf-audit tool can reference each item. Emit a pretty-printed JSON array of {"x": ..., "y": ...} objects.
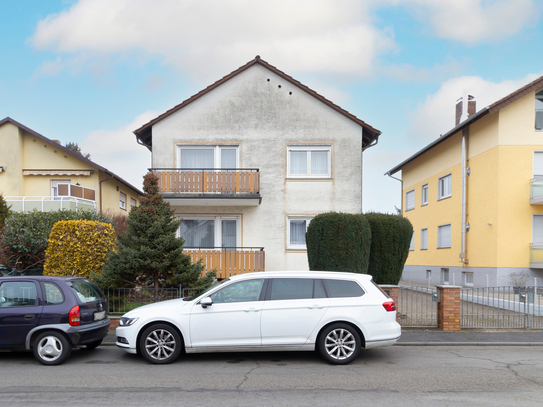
[{"x": 50, "y": 315}]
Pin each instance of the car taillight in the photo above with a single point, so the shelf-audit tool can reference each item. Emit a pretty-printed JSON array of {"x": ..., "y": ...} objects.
[
  {"x": 389, "y": 306},
  {"x": 74, "y": 318}
]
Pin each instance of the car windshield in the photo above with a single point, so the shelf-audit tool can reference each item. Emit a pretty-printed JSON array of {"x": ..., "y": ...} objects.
[
  {"x": 204, "y": 290},
  {"x": 86, "y": 291}
]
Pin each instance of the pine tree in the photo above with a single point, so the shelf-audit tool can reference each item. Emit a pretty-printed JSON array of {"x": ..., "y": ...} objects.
[{"x": 149, "y": 253}]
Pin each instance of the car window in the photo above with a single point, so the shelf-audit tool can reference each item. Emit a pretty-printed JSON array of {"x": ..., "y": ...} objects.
[
  {"x": 242, "y": 291},
  {"x": 52, "y": 294},
  {"x": 291, "y": 288},
  {"x": 18, "y": 294},
  {"x": 342, "y": 288},
  {"x": 86, "y": 291},
  {"x": 318, "y": 291}
]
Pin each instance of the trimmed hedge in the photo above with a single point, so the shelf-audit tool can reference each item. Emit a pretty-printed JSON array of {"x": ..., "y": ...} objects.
[
  {"x": 338, "y": 242},
  {"x": 79, "y": 247},
  {"x": 391, "y": 236}
]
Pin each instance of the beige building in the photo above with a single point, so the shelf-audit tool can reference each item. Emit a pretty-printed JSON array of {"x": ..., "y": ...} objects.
[
  {"x": 475, "y": 196},
  {"x": 39, "y": 173},
  {"x": 249, "y": 161}
]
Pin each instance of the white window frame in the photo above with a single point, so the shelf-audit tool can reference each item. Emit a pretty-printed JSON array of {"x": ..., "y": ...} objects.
[
  {"x": 216, "y": 153},
  {"x": 465, "y": 275},
  {"x": 408, "y": 194},
  {"x": 534, "y": 172},
  {"x": 445, "y": 275},
  {"x": 422, "y": 240},
  {"x": 309, "y": 149},
  {"x": 439, "y": 187},
  {"x": 217, "y": 221},
  {"x": 412, "y": 243},
  {"x": 534, "y": 216},
  {"x": 439, "y": 228},
  {"x": 308, "y": 220},
  {"x": 122, "y": 204},
  {"x": 537, "y": 97},
  {"x": 424, "y": 199}
]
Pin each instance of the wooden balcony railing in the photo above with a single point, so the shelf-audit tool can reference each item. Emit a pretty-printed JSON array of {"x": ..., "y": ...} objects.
[
  {"x": 230, "y": 181},
  {"x": 229, "y": 261}
]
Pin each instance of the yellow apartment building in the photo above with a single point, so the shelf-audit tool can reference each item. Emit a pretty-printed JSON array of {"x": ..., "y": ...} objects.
[
  {"x": 475, "y": 196},
  {"x": 39, "y": 173}
]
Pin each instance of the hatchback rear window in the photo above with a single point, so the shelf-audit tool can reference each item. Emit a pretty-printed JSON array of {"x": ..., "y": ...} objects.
[
  {"x": 86, "y": 291},
  {"x": 342, "y": 288}
]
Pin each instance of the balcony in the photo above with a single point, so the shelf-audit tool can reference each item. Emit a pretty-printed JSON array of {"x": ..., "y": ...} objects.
[
  {"x": 211, "y": 187},
  {"x": 229, "y": 261},
  {"x": 536, "y": 256},
  {"x": 48, "y": 203},
  {"x": 536, "y": 191}
]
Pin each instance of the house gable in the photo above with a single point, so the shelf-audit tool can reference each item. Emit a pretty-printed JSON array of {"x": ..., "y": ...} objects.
[{"x": 369, "y": 134}]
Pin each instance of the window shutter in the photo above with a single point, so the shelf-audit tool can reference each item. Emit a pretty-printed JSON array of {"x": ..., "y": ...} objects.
[
  {"x": 537, "y": 229},
  {"x": 538, "y": 164},
  {"x": 410, "y": 200}
]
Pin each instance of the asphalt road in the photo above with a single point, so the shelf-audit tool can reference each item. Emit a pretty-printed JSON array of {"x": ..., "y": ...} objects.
[{"x": 397, "y": 375}]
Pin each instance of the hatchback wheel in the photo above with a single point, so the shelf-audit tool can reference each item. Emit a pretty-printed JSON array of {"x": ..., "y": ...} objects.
[
  {"x": 51, "y": 348},
  {"x": 339, "y": 344},
  {"x": 160, "y": 344}
]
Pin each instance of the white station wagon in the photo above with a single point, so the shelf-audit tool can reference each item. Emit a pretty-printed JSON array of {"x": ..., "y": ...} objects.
[{"x": 337, "y": 314}]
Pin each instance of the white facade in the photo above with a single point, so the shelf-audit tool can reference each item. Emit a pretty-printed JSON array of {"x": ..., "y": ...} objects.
[{"x": 266, "y": 117}]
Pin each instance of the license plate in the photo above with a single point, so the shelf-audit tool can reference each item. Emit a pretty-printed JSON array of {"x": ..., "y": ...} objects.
[{"x": 99, "y": 315}]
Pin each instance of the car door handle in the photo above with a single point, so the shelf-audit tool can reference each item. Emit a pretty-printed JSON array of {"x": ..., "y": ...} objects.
[
  {"x": 317, "y": 307},
  {"x": 29, "y": 316},
  {"x": 251, "y": 310}
]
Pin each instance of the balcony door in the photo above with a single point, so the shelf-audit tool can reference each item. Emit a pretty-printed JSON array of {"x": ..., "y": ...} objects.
[
  {"x": 210, "y": 232},
  {"x": 537, "y": 230},
  {"x": 208, "y": 157}
]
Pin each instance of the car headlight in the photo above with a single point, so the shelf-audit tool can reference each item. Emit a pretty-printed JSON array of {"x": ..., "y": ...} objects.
[{"x": 124, "y": 321}]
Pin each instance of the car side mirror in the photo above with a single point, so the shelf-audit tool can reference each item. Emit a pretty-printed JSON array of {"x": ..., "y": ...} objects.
[{"x": 206, "y": 302}]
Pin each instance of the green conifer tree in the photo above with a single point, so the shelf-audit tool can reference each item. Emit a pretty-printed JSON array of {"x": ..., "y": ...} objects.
[
  {"x": 149, "y": 253},
  {"x": 4, "y": 211}
]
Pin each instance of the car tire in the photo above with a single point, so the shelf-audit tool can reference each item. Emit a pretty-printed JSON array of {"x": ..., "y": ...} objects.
[
  {"x": 93, "y": 345},
  {"x": 160, "y": 344},
  {"x": 51, "y": 348},
  {"x": 339, "y": 344}
]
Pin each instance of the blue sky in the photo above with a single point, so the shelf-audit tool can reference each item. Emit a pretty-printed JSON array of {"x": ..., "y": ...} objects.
[{"x": 92, "y": 71}]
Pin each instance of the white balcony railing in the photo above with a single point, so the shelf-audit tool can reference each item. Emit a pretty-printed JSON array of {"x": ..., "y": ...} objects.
[{"x": 48, "y": 203}]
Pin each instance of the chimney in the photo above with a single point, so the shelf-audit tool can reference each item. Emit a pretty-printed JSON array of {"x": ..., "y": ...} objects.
[{"x": 461, "y": 112}]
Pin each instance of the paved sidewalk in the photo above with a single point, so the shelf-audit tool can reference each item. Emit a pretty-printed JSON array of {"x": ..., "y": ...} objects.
[{"x": 435, "y": 337}]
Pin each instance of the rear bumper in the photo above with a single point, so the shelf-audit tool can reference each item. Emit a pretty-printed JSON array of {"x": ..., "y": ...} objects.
[{"x": 83, "y": 334}]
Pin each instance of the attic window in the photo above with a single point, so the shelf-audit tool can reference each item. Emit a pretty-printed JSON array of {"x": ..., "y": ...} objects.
[{"x": 539, "y": 110}]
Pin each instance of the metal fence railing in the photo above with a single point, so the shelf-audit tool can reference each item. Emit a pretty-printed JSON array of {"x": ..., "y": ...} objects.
[
  {"x": 502, "y": 307},
  {"x": 416, "y": 308},
  {"x": 122, "y": 300}
]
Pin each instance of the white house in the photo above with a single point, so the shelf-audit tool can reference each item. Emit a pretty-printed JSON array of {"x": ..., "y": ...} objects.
[{"x": 249, "y": 161}]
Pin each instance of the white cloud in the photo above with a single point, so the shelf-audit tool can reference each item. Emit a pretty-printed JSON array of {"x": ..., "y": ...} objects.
[
  {"x": 118, "y": 151},
  {"x": 208, "y": 38},
  {"x": 436, "y": 115},
  {"x": 476, "y": 21}
]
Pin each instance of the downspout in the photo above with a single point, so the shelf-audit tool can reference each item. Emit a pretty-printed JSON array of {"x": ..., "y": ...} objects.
[
  {"x": 372, "y": 143},
  {"x": 464, "y": 195},
  {"x": 401, "y": 191},
  {"x": 104, "y": 180}
]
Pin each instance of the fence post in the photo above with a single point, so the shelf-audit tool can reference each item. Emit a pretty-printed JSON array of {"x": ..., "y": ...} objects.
[
  {"x": 448, "y": 308},
  {"x": 392, "y": 291}
]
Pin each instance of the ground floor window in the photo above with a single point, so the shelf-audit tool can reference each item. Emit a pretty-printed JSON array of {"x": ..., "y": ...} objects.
[
  {"x": 445, "y": 275},
  {"x": 210, "y": 231},
  {"x": 468, "y": 278},
  {"x": 296, "y": 229}
]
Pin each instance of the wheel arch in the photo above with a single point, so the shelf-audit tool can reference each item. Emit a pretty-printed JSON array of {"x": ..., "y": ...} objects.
[
  {"x": 358, "y": 330},
  {"x": 150, "y": 323},
  {"x": 32, "y": 335}
]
